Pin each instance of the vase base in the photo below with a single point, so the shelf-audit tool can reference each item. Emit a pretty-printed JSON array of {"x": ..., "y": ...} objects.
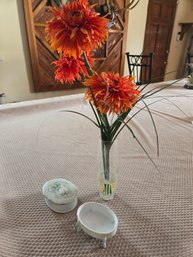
[
  {"x": 106, "y": 197},
  {"x": 107, "y": 188}
]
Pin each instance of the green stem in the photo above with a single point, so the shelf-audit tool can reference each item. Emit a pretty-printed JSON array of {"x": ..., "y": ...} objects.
[
  {"x": 106, "y": 146},
  {"x": 87, "y": 65}
]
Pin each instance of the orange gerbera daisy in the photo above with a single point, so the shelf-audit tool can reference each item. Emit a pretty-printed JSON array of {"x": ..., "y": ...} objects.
[
  {"x": 113, "y": 93},
  {"x": 71, "y": 68},
  {"x": 76, "y": 28}
]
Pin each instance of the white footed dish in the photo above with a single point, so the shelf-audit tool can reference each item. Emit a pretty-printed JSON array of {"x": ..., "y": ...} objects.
[{"x": 97, "y": 220}]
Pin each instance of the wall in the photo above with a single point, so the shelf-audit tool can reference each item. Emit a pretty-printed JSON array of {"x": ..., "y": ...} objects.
[
  {"x": 136, "y": 30},
  {"x": 15, "y": 73},
  {"x": 178, "y": 49}
]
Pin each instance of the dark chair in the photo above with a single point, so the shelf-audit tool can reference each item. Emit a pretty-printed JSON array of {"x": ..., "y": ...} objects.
[
  {"x": 140, "y": 66},
  {"x": 189, "y": 63}
]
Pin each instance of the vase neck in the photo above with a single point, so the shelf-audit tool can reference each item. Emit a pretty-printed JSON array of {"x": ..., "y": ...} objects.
[{"x": 107, "y": 144}]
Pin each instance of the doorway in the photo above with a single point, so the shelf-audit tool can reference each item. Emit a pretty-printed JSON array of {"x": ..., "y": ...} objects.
[{"x": 159, "y": 25}]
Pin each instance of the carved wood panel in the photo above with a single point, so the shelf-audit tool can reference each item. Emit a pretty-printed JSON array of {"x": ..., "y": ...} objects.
[{"x": 108, "y": 58}]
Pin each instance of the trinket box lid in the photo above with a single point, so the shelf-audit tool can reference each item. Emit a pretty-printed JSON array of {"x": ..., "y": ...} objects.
[{"x": 60, "y": 191}]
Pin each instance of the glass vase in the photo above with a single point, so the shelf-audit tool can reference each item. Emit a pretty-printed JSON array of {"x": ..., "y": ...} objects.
[{"x": 107, "y": 169}]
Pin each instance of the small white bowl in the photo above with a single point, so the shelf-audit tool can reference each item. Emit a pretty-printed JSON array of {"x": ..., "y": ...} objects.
[{"x": 97, "y": 220}]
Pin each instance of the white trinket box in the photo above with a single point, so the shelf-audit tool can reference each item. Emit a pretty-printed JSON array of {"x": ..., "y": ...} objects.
[
  {"x": 97, "y": 220},
  {"x": 60, "y": 195}
]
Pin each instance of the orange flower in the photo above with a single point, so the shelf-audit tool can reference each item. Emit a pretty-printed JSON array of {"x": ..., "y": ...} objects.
[
  {"x": 113, "y": 93},
  {"x": 76, "y": 28},
  {"x": 71, "y": 68}
]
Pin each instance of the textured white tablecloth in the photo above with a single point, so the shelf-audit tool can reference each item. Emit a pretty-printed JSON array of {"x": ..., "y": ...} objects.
[{"x": 154, "y": 208}]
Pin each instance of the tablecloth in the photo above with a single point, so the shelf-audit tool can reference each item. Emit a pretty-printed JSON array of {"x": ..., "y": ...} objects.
[{"x": 154, "y": 206}]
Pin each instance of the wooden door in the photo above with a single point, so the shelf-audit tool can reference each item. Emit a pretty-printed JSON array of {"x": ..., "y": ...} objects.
[
  {"x": 159, "y": 25},
  {"x": 108, "y": 58}
]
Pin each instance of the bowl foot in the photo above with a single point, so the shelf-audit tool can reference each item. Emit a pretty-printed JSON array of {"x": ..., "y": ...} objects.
[{"x": 104, "y": 243}]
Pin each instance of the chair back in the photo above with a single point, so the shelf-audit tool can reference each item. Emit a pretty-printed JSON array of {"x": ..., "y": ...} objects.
[
  {"x": 140, "y": 66},
  {"x": 189, "y": 63}
]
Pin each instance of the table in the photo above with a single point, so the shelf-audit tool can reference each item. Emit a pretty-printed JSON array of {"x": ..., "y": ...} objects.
[{"x": 40, "y": 142}]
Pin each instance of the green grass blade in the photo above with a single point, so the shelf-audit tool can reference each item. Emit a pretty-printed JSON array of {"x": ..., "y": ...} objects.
[
  {"x": 103, "y": 125},
  {"x": 176, "y": 106},
  {"x": 158, "y": 100},
  {"x": 81, "y": 115},
  {"x": 140, "y": 144},
  {"x": 152, "y": 92},
  {"x": 95, "y": 113},
  {"x": 121, "y": 117},
  {"x": 155, "y": 129}
]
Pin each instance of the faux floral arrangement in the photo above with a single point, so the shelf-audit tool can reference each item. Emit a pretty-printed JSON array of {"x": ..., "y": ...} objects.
[{"x": 75, "y": 31}]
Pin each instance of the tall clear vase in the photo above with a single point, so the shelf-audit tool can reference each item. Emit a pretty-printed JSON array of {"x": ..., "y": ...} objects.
[{"x": 107, "y": 169}]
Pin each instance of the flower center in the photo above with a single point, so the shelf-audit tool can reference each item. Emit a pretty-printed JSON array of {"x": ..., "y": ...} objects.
[
  {"x": 115, "y": 82},
  {"x": 75, "y": 13},
  {"x": 75, "y": 18}
]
